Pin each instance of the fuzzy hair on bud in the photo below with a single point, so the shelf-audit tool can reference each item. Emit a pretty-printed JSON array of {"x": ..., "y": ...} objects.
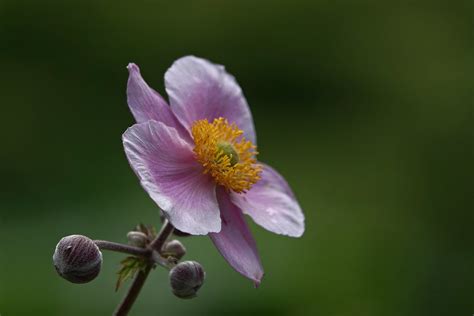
[
  {"x": 77, "y": 259},
  {"x": 186, "y": 279}
]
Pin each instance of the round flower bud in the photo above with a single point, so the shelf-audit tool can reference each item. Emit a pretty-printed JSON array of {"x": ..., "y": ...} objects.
[
  {"x": 186, "y": 278},
  {"x": 174, "y": 248},
  {"x": 77, "y": 259},
  {"x": 137, "y": 239}
]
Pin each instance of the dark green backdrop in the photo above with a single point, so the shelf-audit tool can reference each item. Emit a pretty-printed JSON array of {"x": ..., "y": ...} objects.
[{"x": 365, "y": 106}]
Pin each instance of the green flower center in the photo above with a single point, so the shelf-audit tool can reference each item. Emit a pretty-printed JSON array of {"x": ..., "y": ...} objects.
[{"x": 226, "y": 149}]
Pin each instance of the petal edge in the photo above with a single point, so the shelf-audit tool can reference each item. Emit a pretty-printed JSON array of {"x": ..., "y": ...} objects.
[
  {"x": 272, "y": 205},
  {"x": 235, "y": 241},
  {"x": 199, "y": 89},
  {"x": 146, "y": 104},
  {"x": 167, "y": 170}
]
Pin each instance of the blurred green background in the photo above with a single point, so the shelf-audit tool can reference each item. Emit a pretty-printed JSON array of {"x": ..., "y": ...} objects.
[{"x": 365, "y": 107}]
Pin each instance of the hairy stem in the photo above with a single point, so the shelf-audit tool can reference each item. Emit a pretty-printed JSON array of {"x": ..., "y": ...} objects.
[
  {"x": 131, "y": 250},
  {"x": 132, "y": 294},
  {"x": 160, "y": 239}
]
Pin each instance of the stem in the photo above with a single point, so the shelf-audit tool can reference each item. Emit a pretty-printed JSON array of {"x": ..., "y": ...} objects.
[
  {"x": 132, "y": 294},
  {"x": 131, "y": 250},
  {"x": 160, "y": 239},
  {"x": 129, "y": 299}
]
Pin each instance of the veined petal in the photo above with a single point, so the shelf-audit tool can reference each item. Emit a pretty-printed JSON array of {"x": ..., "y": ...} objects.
[
  {"x": 198, "y": 90},
  {"x": 147, "y": 104},
  {"x": 235, "y": 241},
  {"x": 272, "y": 204},
  {"x": 167, "y": 170}
]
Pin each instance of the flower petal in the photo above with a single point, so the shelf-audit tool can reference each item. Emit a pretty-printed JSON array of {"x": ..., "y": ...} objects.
[
  {"x": 235, "y": 242},
  {"x": 167, "y": 170},
  {"x": 272, "y": 204},
  {"x": 147, "y": 104},
  {"x": 198, "y": 90}
]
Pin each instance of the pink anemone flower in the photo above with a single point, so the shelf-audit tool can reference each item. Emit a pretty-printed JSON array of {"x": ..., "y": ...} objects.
[{"x": 196, "y": 158}]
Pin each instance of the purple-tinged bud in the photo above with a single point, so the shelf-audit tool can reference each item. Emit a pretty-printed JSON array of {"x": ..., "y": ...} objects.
[
  {"x": 77, "y": 259},
  {"x": 186, "y": 278},
  {"x": 137, "y": 239},
  {"x": 174, "y": 248}
]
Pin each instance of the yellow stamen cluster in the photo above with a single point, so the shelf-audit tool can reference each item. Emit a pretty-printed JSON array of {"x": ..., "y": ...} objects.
[{"x": 225, "y": 154}]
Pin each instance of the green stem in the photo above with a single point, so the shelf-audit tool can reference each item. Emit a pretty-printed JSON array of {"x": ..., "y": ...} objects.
[
  {"x": 131, "y": 250},
  {"x": 132, "y": 294}
]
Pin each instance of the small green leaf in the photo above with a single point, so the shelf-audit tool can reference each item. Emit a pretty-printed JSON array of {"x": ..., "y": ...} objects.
[{"x": 129, "y": 267}]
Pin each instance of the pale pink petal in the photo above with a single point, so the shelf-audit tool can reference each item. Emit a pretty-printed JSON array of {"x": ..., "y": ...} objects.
[
  {"x": 235, "y": 241},
  {"x": 168, "y": 171},
  {"x": 147, "y": 104},
  {"x": 272, "y": 204},
  {"x": 198, "y": 89}
]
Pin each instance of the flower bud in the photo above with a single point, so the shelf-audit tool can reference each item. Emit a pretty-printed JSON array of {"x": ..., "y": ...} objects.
[
  {"x": 174, "y": 248},
  {"x": 186, "y": 278},
  {"x": 137, "y": 239},
  {"x": 77, "y": 259}
]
